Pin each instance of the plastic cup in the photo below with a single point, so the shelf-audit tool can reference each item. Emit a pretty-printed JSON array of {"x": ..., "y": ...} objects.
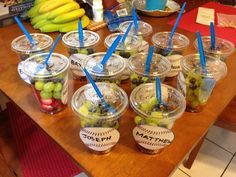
[
  {"x": 144, "y": 29},
  {"x": 156, "y": 5},
  {"x": 126, "y": 50},
  {"x": 159, "y": 67},
  {"x": 143, "y": 101},
  {"x": 179, "y": 44},
  {"x": 94, "y": 115},
  {"x": 197, "y": 85},
  {"x": 71, "y": 41},
  {"x": 113, "y": 68},
  {"x": 223, "y": 48},
  {"x": 49, "y": 82},
  {"x": 24, "y": 49}
]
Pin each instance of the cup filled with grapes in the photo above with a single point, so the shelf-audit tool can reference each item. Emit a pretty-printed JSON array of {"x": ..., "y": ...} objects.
[
  {"x": 173, "y": 50},
  {"x": 222, "y": 49},
  {"x": 197, "y": 84},
  {"x": 159, "y": 67},
  {"x": 153, "y": 113},
  {"x": 99, "y": 119},
  {"x": 22, "y": 46},
  {"x": 112, "y": 70},
  {"x": 49, "y": 80}
]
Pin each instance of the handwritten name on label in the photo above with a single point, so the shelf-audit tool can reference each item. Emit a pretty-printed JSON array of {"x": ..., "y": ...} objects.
[
  {"x": 99, "y": 139},
  {"x": 151, "y": 137},
  {"x": 22, "y": 74},
  {"x": 76, "y": 63}
]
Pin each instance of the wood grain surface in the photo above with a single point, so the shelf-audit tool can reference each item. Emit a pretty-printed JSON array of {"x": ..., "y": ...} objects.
[{"x": 125, "y": 159}]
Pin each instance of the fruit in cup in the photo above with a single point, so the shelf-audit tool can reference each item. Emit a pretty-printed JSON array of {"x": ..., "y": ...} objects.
[
  {"x": 125, "y": 53},
  {"x": 195, "y": 95},
  {"x": 85, "y": 51},
  {"x": 163, "y": 52},
  {"x": 136, "y": 80},
  {"x": 156, "y": 112},
  {"x": 93, "y": 113},
  {"x": 49, "y": 93},
  {"x": 108, "y": 80}
]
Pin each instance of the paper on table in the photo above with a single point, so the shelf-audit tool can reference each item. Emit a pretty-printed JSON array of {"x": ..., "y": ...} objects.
[
  {"x": 205, "y": 16},
  {"x": 225, "y": 20}
]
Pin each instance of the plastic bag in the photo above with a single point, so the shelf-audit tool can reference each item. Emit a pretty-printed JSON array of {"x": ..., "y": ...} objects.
[{"x": 226, "y": 20}]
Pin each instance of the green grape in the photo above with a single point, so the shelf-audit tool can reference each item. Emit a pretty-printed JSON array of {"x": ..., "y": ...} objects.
[
  {"x": 48, "y": 87},
  {"x": 83, "y": 110},
  {"x": 57, "y": 95},
  {"x": 157, "y": 114},
  {"x": 39, "y": 85},
  {"x": 153, "y": 101},
  {"x": 83, "y": 51},
  {"x": 138, "y": 120},
  {"x": 46, "y": 95},
  {"x": 145, "y": 107},
  {"x": 58, "y": 87}
]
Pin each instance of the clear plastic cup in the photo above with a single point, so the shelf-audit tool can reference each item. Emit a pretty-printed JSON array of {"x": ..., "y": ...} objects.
[
  {"x": 24, "y": 49},
  {"x": 113, "y": 68},
  {"x": 94, "y": 116},
  {"x": 145, "y": 104},
  {"x": 130, "y": 47},
  {"x": 71, "y": 41},
  {"x": 179, "y": 44},
  {"x": 159, "y": 67},
  {"x": 144, "y": 29},
  {"x": 49, "y": 82},
  {"x": 197, "y": 85},
  {"x": 223, "y": 48}
]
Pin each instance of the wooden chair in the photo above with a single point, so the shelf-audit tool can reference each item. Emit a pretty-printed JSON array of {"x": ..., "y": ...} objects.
[{"x": 226, "y": 120}]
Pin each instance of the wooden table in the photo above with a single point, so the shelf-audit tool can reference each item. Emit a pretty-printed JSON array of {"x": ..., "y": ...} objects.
[{"x": 125, "y": 159}]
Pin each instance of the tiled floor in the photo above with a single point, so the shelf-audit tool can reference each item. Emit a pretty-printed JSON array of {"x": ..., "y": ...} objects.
[{"x": 217, "y": 156}]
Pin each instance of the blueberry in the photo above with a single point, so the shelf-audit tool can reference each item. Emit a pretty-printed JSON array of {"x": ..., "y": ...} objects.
[
  {"x": 125, "y": 54},
  {"x": 90, "y": 51},
  {"x": 192, "y": 86}
]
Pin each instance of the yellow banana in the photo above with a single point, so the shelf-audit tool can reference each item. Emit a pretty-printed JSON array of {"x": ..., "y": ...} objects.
[
  {"x": 63, "y": 9},
  {"x": 39, "y": 18},
  {"x": 69, "y": 16},
  {"x": 52, "y": 4},
  {"x": 39, "y": 1},
  {"x": 41, "y": 23},
  {"x": 50, "y": 28},
  {"x": 34, "y": 10},
  {"x": 74, "y": 25}
]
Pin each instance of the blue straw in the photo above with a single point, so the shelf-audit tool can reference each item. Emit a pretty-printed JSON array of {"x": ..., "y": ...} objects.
[
  {"x": 81, "y": 35},
  {"x": 52, "y": 49},
  {"x": 126, "y": 33},
  {"x": 97, "y": 90},
  {"x": 149, "y": 60},
  {"x": 158, "y": 90},
  {"x": 168, "y": 49},
  {"x": 201, "y": 52},
  {"x": 135, "y": 20},
  {"x": 111, "y": 50},
  {"x": 213, "y": 36},
  {"x": 177, "y": 21},
  {"x": 29, "y": 37}
]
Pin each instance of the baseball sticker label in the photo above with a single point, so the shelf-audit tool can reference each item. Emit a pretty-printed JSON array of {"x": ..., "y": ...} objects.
[
  {"x": 99, "y": 139},
  {"x": 151, "y": 137}
]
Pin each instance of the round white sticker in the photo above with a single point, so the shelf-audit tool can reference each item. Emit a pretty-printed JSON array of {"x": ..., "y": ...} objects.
[
  {"x": 99, "y": 139},
  {"x": 152, "y": 137}
]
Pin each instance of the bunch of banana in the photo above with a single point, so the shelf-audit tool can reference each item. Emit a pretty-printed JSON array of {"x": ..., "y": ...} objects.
[{"x": 57, "y": 15}]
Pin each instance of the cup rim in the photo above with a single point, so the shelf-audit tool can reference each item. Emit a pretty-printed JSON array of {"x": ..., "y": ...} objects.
[
  {"x": 31, "y": 51},
  {"x": 186, "y": 67},
  {"x": 181, "y": 47},
  {"x": 117, "y": 114},
  {"x": 161, "y": 75},
  {"x": 180, "y": 110},
  {"x": 108, "y": 43},
  {"x": 215, "y": 51},
  {"x": 86, "y": 45},
  {"x": 85, "y": 62},
  {"x": 48, "y": 76}
]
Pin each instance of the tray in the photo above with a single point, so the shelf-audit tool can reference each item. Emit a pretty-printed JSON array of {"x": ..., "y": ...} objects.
[{"x": 171, "y": 7}]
